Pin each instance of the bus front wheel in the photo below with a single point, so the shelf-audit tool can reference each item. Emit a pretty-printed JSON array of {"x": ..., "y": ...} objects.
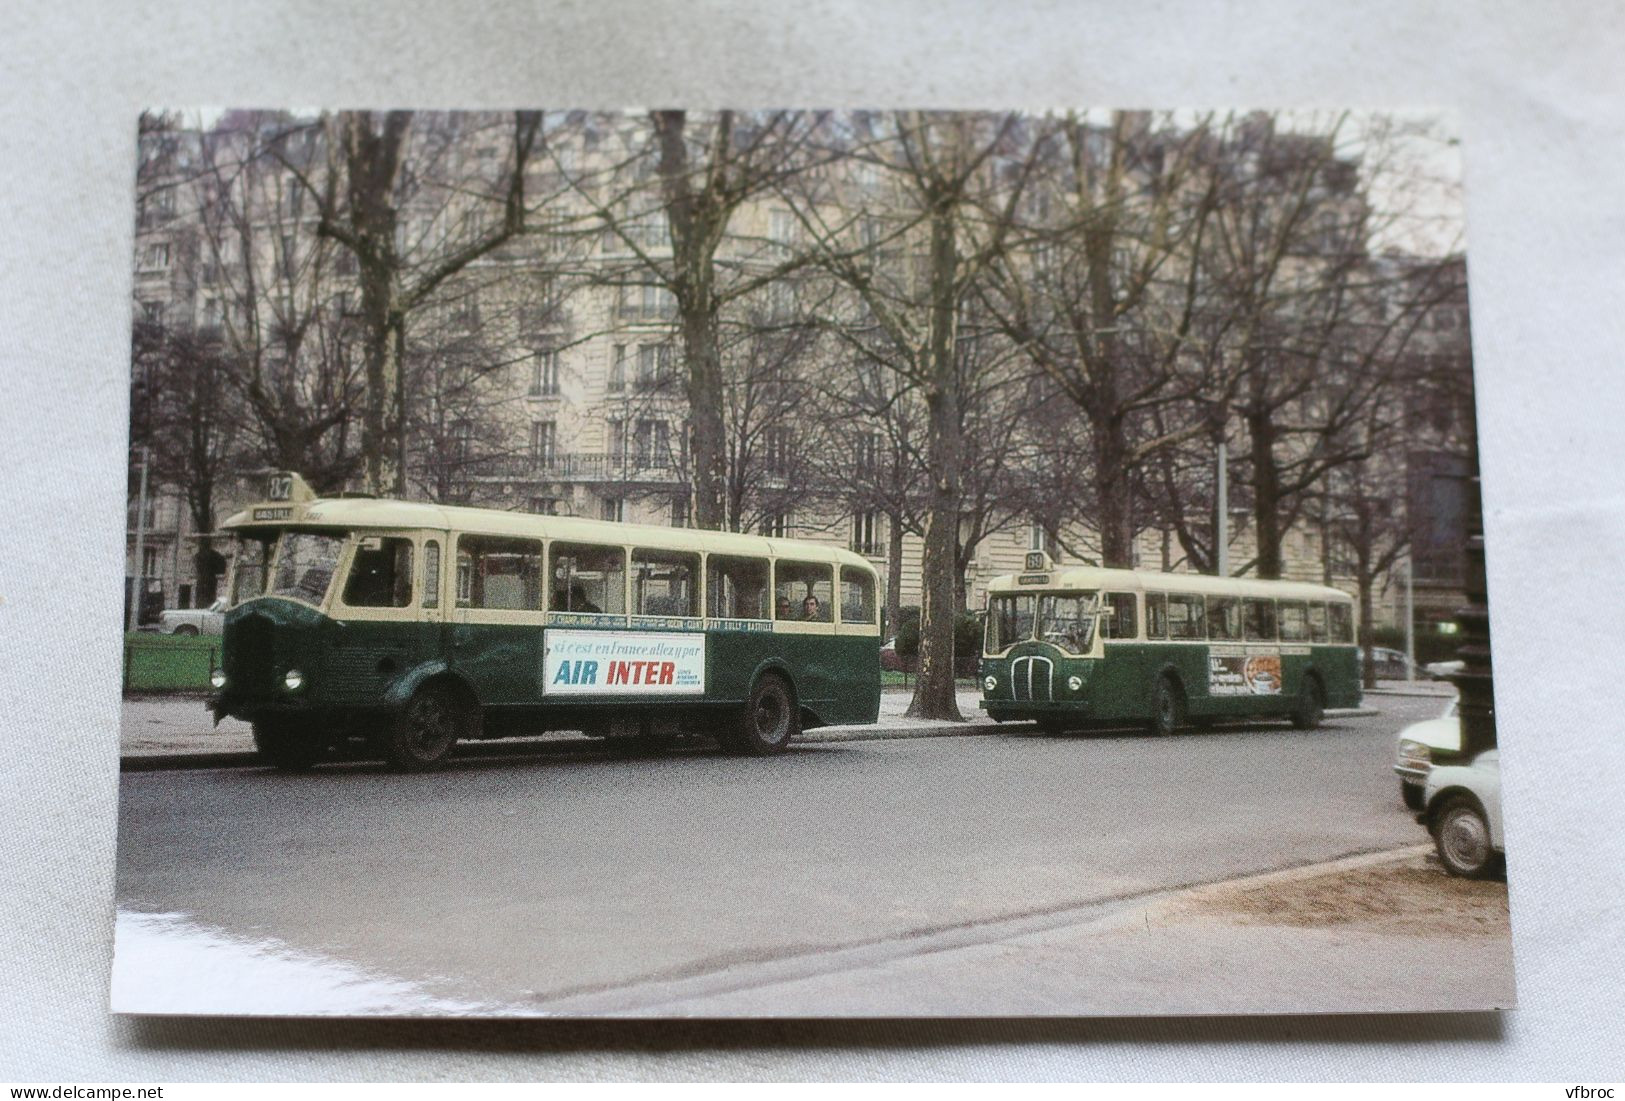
[
  {"x": 769, "y": 721},
  {"x": 1167, "y": 707},
  {"x": 426, "y": 729}
]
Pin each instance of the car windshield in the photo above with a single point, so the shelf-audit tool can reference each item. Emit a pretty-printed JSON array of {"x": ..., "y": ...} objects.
[{"x": 305, "y": 563}]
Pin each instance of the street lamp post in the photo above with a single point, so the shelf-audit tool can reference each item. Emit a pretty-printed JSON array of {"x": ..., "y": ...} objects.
[
  {"x": 132, "y": 605},
  {"x": 1221, "y": 532}
]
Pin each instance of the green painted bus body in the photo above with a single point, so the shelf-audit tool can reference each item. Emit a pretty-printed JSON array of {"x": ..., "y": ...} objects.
[
  {"x": 1118, "y": 686},
  {"x": 358, "y": 669}
]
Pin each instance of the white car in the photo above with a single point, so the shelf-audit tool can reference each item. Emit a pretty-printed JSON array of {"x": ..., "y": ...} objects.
[
  {"x": 193, "y": 621},
  {"x": 1418, "y": 745},
  {"x": 1462, "y": 810}
]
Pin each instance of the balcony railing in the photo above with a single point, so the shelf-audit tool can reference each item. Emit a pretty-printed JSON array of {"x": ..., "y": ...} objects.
[{"x": 578, "y": 466}]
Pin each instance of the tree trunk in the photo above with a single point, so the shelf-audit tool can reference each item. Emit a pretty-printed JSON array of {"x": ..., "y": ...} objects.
[
  {"x": 1266, "y": 492},
  {"x": 934, "y": 691},
  {"x": 1112, "y": 495},
  {"x": 707, "y": 431}
]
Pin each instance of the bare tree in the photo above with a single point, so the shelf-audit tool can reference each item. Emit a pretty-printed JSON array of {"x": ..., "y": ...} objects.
[{"x": 379, "y": 169}]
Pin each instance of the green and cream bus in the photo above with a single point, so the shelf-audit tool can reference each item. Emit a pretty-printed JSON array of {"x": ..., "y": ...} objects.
[
  {"x": 1084, "y": 646},
  {"x": 409, "y": 627}
]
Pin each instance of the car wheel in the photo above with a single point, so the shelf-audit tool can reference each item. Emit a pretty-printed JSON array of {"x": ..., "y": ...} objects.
[
  {"x": 185, "y": 629},
  {"x": 1167, "y": 707},
  {"x": 1462, "y": 835},
  {"x": 768, "y": 722},
  {"x": 1412, "y": 794},
  {"x": 286, "y": 747},
  {"x": 1311, "y": 705},
  {"x": 426, "y": 728}
]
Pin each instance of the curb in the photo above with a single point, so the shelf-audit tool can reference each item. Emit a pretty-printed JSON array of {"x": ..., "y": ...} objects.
[{"x": 163, "y": 762}]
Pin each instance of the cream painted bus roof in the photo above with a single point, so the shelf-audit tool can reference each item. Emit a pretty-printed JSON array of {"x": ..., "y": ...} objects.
[
  {"x": 367, "y": 512},
  {"x": 1094, "y": 577}
]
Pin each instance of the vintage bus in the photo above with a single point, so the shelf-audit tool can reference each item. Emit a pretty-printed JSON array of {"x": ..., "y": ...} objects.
[
  {"x": 405, "y": 627},
  {"x": 1084, "y": 646}
]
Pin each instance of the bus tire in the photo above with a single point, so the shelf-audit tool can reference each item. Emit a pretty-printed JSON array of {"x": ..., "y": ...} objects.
[
  {"x": 1167, "y": 707},
  {"x": 768, "y": 722},
  {"x": 282, "y": 745},
  {"x": 424, "y": 731},
  {"x": 1311, "y": 704}
]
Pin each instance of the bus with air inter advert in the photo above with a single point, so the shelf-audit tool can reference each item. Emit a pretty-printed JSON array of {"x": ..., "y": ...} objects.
[
  {"x": 401, "y": 628},
  {"x": 1078, "y": 646}
]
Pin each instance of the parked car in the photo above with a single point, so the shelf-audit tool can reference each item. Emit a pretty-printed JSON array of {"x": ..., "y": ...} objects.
[
  {"x": 1390, "y": 664},
  {"x": 193, "y": 621},
  {"x": 1417, "y": 747},
  {"x": 1462, "y": 810},
  {"x": 1443, "y": 670},
  {"x": 890, "y": 659}
]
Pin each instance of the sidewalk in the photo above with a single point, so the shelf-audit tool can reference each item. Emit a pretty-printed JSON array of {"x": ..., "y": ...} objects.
[{"x": 158, "y": 732}]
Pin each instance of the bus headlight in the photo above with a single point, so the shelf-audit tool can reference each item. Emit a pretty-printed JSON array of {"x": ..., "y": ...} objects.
[
  {"x": 217, "y": 678},
  {"x": 1075, "y": 683},
  {"x": 293, "y": 680},
  {"x": 990, "y": 682}
]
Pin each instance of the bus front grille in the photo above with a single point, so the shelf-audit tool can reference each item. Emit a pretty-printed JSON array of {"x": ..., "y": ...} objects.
[
  {"x": 249, "y": 659},
  {"x": 1032, "y": 680}
]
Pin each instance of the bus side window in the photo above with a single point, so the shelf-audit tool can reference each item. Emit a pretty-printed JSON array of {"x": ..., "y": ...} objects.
[
  {"x": 803, "y": 592},
  {"x": 1121, "y": 624},
  {"x": 1223, "y": 618},
  {"x": 736, "y": 588},
  {"x": 588, "y": 577},
  {"x": 1294, "y": 621},
  {"x": 431, "y": 573},
  {"x": 857, "y": 595},
  {"x": 1156, "y": 615},
  {"x": 665, "y": 583},
  {"x": 499, "y": 573},
  {"x": 381, "y": 574},
  {"x": 1185, "y": 617},
  {"x": 1317, "y": 622},
  {"x": 1259, "y": 619},
  {"x": 1342, "y": 622}
]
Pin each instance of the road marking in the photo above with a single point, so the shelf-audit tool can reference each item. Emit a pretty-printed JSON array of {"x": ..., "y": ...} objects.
[{"x": 659, "y": 995}]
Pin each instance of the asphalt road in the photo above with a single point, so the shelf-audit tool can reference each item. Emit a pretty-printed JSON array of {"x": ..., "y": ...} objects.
[{"x": 580, "y": 883}]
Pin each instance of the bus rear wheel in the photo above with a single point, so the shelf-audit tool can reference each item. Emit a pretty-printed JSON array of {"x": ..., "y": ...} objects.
[
  {"x": 1167, "y": 707},
  {"x": 768, "y": 722},
  {"x": 1311, "y": 705},
  {"x": 283, "y": 745},
  {"x": 426, "y": 728}
]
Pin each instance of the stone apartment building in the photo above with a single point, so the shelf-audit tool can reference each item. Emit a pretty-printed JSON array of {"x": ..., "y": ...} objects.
[{"x": 547, "y": 377}]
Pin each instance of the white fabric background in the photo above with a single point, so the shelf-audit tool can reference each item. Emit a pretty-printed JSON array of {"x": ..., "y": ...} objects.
[{"x": 1541, "y": 90}]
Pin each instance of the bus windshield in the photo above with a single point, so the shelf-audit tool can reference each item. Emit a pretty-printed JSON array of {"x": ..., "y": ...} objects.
[
  {"x": 1067, "y": 620},
  {"x": 305, "y": 563}
]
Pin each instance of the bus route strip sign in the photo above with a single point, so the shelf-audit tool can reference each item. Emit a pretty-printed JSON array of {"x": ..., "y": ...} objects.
[{"x": 622, "y": 663}]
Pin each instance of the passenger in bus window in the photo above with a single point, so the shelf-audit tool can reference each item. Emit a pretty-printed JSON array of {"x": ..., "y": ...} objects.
[
  {"x": 782, "y": 609},
  {"x": 811, "y": 611}
]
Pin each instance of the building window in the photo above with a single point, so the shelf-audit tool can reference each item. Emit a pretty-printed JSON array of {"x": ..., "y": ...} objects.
[
  {"x": 868, "y": 454},
  {"x": 149, "y": 561},
  {"x": 544, "y": 373},
  {"x": 543, "y": 435},
  {"x": 612, "y": 508},
  {"x": 776, "y": 525},
  {"x": 462, "y": 440},
  {"x": 654, "y": 366},
  {"x": 865, "y": 527},
  {"x": 781, "y": 228},
  {"x": 679, "y": 511},
  {"x": 158, "y": 256},
  {"x": 211, "y": 313},
  {"x": 617, "y": 369},
  {"x": 779, "y": 444},
  {"x": 153, "y": 312},
  {"x": 1039, "y": 539},
  {"x": 545, "y": 506},
  {"x": 286, "y": 254},
  {"x": 653, "y": 442},
  {"x": 617, "y": 439}
]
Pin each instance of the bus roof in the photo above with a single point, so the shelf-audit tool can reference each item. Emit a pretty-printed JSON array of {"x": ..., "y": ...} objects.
[
  {"x": 1097, "y": 577},
  {"x": 360, "y": 513}
]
